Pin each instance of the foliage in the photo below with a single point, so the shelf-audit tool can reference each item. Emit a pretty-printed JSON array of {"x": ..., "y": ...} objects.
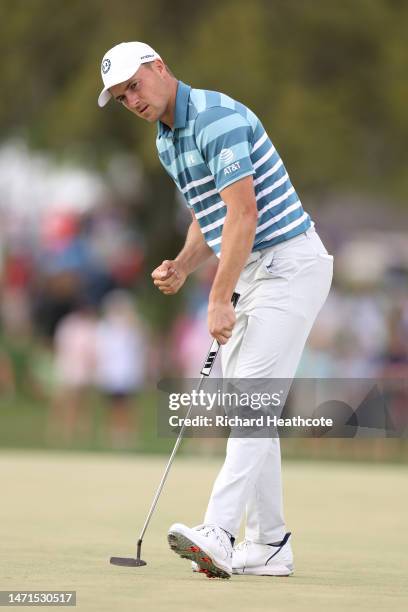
[{"x": 326, "y": 77}]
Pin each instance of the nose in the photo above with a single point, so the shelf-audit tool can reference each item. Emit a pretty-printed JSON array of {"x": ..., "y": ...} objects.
[{"x": 132, "y": 100}]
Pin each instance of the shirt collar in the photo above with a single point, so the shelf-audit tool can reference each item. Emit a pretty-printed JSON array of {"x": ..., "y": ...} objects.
[{"x": 180, "y": 110}]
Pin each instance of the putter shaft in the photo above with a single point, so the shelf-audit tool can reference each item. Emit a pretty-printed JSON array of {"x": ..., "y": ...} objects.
[{"x": 206, "y": 371}]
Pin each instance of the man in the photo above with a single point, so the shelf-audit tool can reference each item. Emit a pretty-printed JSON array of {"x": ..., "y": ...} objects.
[{"x": 246, "y": 211}]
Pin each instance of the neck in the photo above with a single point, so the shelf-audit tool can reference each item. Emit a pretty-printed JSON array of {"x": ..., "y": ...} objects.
[{"x": 168, "y": 116}]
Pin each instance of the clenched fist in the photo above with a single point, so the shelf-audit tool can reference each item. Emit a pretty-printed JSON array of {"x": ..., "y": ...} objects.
[
  {"x": 221, "y": 321},
  {"x": 169, "y": 277}
]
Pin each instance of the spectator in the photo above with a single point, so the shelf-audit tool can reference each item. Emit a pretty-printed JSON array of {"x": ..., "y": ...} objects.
[
  {"x": 120, "y": 369},
  {"x": 75, "y": 361}
]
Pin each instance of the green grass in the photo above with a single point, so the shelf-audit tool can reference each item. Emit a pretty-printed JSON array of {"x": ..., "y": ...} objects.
[
  {"x": 63, "y": 514},
  {"x": 24, "y": 423}
]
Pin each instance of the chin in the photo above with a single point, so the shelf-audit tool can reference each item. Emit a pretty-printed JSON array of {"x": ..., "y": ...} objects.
[{"x": 151, "y": 117}]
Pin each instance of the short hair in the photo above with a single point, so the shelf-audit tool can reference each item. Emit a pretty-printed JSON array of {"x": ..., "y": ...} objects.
[{"x": 149, "y": 65}]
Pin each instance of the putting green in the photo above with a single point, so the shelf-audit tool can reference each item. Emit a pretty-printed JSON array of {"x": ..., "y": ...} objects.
[{"x": 62, "y": 515}]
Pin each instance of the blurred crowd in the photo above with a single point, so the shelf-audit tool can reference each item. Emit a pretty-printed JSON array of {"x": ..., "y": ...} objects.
[
  {"x": 72, "y": 332},
  {"x": 359, "y": 335},
  {"x": 69, "y": 325}
]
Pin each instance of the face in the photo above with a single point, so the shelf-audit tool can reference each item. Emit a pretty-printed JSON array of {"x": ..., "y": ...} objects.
[{"x": 146, "y": 93}]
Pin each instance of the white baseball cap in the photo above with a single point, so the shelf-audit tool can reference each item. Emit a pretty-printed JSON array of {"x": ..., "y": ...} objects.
[{"x": 120, "y": 63}]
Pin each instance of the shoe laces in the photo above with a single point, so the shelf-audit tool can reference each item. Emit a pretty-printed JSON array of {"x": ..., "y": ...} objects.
[
  {"x": 242, "y": 545},
  {"x": 218, "y": 533}
]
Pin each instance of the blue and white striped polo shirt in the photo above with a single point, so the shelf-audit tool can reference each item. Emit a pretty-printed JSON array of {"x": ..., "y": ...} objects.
[{"x": 215, "y": 142}]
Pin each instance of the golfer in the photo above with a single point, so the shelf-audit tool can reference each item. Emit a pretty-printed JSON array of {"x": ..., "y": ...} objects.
[{"x": 246, "y": 211}]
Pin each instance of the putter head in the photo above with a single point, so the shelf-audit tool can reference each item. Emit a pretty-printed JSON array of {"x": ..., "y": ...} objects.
[{"x": 127, "y": 561}]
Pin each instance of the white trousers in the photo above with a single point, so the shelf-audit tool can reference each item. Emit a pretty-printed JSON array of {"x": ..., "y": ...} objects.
[{"x": 281, "y": 292}]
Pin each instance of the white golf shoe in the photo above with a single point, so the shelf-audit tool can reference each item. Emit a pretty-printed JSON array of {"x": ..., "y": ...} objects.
[
  {"x": 250, "y": 558},
  {"x": 208, "y": 546}
]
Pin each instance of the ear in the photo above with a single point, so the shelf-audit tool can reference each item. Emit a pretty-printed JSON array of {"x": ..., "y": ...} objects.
[{"x": 159, "y": 66}]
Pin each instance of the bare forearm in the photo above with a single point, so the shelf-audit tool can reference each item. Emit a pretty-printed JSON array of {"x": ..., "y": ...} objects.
[
  {"x": 195, "y": 250},
  {"x": 237, "y": 240}
]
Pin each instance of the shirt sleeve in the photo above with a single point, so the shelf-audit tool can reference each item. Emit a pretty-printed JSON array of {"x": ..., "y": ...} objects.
[{"x": 224, "y": 138}]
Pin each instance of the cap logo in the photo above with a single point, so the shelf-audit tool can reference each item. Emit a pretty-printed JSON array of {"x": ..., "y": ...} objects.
[{"x": 106, "y": 64}]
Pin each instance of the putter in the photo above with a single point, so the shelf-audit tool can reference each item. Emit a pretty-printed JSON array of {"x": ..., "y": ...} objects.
[{"x": 207, "y": 367}]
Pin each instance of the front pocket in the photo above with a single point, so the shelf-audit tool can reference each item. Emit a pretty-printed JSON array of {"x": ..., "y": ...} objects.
[{"x": 279, "y": 267}]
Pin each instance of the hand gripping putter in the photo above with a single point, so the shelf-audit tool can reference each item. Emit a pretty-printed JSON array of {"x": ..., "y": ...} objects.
[{"x": 208, "y": 364}]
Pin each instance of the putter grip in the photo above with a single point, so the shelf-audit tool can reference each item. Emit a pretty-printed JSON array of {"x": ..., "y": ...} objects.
[{"x": 213, "y": 352}]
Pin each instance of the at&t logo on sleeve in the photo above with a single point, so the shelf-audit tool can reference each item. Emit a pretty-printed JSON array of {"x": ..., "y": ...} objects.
[{"x": 226, "y": 157}]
